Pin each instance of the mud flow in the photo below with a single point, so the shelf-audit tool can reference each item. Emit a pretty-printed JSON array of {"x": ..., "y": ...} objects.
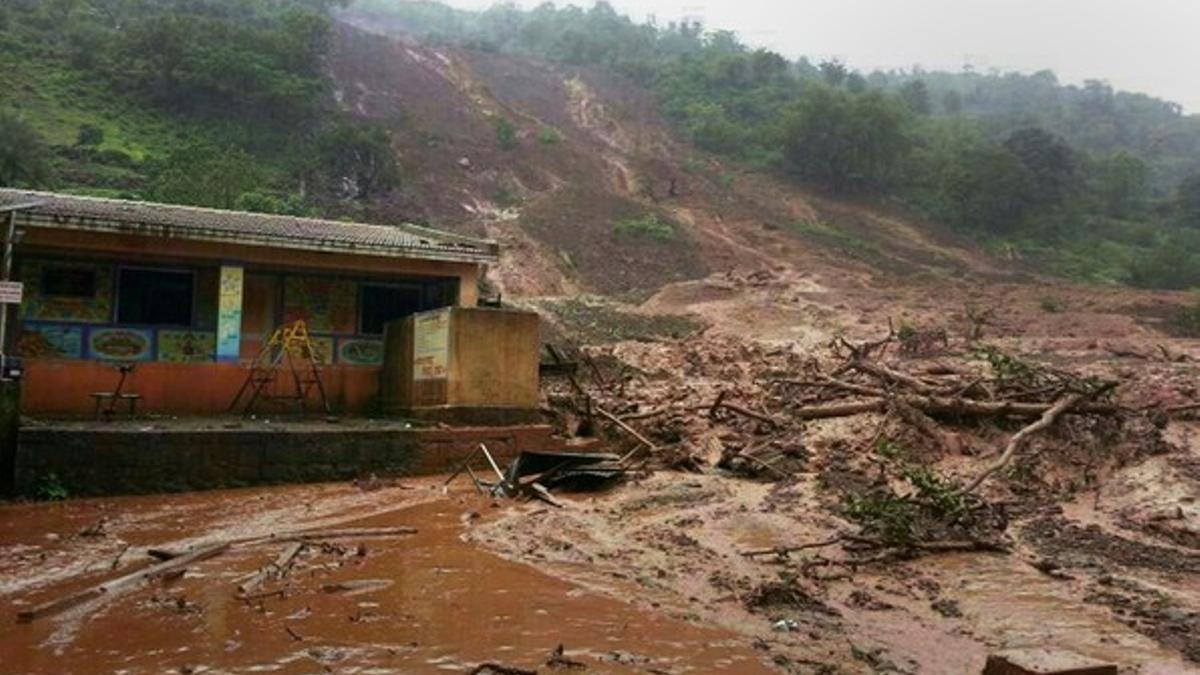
[{"x": 427, "y": 602}]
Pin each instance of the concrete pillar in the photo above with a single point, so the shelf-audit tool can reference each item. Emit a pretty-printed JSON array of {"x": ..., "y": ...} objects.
[
  {"x": 468, "y": 288},
  {"x": 10, "y": 420},
  {"x": 229, "y": 313}
]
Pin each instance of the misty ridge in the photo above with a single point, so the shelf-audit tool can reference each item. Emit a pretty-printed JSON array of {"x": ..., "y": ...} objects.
[{"x": 229, "y": 103}]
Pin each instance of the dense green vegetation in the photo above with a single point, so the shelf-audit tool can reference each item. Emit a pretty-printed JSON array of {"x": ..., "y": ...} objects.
[
  {"x": 225, "y": 103},
  {"x": 210, "y": 102},
  {"x": 1088, "y": 182}
]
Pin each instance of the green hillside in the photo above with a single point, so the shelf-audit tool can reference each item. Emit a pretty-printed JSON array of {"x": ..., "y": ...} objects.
[{"x": 210, "y": 102}]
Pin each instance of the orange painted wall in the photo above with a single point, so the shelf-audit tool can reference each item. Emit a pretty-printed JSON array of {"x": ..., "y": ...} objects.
[{"x": 64, "y": 388}]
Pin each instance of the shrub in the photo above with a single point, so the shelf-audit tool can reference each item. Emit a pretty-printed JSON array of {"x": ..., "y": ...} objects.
[
  {"x": 549, "y": 136},
  {"x": 506, "y": 134},
  {"x": 50, "y": 488},
  {"x": 90, "y": 135},
  {"x": 1187, "y": 320}
]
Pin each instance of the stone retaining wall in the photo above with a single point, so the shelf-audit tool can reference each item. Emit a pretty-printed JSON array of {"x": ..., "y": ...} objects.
[{"x": 98, "y": 461}]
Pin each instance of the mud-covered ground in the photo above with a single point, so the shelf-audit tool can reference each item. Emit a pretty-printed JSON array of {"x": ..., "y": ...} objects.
[
  {"x": 1097, "y": 521},
  {"x": 1100, "y": 514},
  {"x": 427, "y": 602}
]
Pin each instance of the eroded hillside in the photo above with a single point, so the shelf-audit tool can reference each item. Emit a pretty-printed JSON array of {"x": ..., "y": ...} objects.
[{"x": 594, "y": 193}]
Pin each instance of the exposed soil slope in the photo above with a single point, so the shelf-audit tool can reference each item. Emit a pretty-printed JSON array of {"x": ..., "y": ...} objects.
[{"x": 591, "y": 151}]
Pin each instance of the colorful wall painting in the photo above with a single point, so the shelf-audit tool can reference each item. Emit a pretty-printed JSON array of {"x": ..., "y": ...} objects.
[
  {"x": 120, "y": 344},
  {"x": 184, "y": 346},
  {"x": 229, "y": 314},
  {"x": 48, "y": 341},
  {"x": 431, "y": 345},
  {"x": 43, "y": 304},
  {"x": 358, "y": 352},
  {"x": 322, "y": 349},
  {"x": 326, "y": 304}
]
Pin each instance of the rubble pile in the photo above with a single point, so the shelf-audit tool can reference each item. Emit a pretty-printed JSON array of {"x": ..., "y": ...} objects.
[{"x": 916, "y": 411}]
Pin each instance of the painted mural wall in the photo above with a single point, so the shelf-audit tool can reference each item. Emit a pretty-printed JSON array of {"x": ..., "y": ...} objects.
[{"x": 71, "y": 309}]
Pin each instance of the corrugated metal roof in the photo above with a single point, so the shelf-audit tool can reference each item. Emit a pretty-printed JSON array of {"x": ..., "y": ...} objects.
[{"x": 254, "y": 229}]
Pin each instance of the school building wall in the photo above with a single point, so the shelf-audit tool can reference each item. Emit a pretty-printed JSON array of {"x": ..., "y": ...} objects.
[{"x": 70, "y": 344}]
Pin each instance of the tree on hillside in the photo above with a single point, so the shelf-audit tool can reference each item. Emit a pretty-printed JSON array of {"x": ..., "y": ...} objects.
[
  {"x": 915, "y": 95},
  {"x": 359, "y": 160},
  {"x": 710, "y": 128},
  {"x": 1050, "y": 161},
  {"x": 844, "y": 141},
  {"x": 989, "y": 189},
  {"x": 1187, "y": 200},
  {"x": 24, "y": 157},
  {"x": 834, "y": 72},
  {"x": 199, "y": 174},
  {"x": 952, "y": 102},
  {"x": 1123, "y": 185}
]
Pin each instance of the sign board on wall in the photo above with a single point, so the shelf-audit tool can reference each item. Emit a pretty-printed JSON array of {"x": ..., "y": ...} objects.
[
  {"x": 431, "y": 345},
  {"x": 229, "y": 313},
  {"x": 11, "y": 292}
]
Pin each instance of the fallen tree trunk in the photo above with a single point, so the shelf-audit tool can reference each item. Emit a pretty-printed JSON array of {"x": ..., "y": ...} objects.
[{"x": 940, "y": 405}]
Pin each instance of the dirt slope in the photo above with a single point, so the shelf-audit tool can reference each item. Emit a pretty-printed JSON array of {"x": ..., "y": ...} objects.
[{"x": 592, "y": 151}]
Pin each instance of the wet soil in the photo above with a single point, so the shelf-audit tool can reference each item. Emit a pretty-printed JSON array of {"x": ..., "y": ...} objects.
[{"x": 431, "y": 603}]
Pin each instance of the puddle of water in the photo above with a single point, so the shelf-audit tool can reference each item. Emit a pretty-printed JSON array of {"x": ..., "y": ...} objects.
[{"x": 449, "y": 605}]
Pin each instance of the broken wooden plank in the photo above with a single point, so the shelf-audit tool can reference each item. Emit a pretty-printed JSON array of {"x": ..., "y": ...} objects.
[
  {"x": 276, "y": 568},
  {"x": 362, "y": 532},
  {"x": 356, "y": 586},
  {"x": 162, "y": 554},
  {"x": 59, "y": 605},
  {"x": 539, "y": 491}
]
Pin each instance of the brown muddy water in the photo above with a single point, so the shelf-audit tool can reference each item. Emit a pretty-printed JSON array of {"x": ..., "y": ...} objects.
[{"x": 434, "y": 603}]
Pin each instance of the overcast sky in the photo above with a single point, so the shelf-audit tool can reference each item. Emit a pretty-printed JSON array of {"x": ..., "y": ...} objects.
[{"x": 1152, "y": 46}]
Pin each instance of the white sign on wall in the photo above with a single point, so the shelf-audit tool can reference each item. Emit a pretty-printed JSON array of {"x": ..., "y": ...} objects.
[
  {"x": 11, "y": 292},
  {"x": 431, "y": 345}
]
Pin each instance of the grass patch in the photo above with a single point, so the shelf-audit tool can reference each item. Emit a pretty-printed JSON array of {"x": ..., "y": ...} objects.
[
  {"x": 549, "y": 136},
  {"x": 649, "y": 225},
  {"x": 853, "y": 246}
]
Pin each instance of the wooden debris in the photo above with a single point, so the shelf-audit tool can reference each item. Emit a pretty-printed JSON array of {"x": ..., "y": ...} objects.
[
  {"x": 356, "y": 586},
  {"x": 784, "y": 550},
  {"x": 162, "y": 554},
  {"x": 349, "y": 533},
  {"x": 60, "y": 605},
  {"x": 539, "y": 491},
  {"x": 1048, "y": 418},
  {"x": 498, "y": 669},
  {"x": 112, "y": 586},
  {"x": 277, "y": 568},
  {"x": 558, "y": 659}
]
